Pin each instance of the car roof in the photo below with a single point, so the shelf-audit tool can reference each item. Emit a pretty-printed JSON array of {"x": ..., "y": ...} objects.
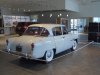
[{"x": 47, "y": 26}]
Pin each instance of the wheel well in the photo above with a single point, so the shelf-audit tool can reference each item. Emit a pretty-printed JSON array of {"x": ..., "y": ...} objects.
[
  {"x": 76, "y": 40},
  {"x": 54, "y": 49}
]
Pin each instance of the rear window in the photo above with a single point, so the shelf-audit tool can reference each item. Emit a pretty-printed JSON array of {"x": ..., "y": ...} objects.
[{"x": 39, "y": 31}]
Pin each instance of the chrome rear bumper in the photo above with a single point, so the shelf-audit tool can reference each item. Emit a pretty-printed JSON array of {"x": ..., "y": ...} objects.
[
  {"x": 25, "y": 55},
  {"x": 18, "y": 54}
]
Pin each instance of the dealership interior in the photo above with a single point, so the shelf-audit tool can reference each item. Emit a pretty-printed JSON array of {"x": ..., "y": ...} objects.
[{"x": 80, "y": 17}]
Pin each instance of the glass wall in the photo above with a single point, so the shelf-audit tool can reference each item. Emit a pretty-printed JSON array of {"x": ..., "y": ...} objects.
[
  {"x": 96, "y": 19},
  {"x": 77, "y": 25}
]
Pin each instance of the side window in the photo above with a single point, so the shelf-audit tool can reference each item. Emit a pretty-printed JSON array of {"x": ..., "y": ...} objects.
[
  {"x": 64, "y": 30},
  {"x": 57, "y": 31},
  {"x": 44, "y": 32}
]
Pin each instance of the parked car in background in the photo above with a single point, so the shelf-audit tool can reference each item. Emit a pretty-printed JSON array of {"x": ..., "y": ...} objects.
[
  {"x": 1, "y": 30},
  {"x": 42, "y": 41},
  {"x": 22, "y": 26}
]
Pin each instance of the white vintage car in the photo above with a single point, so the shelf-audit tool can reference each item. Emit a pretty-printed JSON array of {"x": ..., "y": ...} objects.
[{"x": 42, "y": 41}]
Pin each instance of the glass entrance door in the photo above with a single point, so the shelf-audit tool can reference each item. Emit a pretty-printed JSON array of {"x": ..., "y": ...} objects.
[
  {"x": 77, "y": 25},
  {"x": 74, "y": 24}
]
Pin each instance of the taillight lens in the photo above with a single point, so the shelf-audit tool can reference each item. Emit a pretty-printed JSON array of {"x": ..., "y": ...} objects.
[
  {"x": 32, "y": 45},
  {"x": 7, "y": 42},
  {"x": 25, "y": 27}
]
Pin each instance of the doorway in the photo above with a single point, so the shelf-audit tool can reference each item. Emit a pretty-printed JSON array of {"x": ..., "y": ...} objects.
[{"x": 77, "y": 25}]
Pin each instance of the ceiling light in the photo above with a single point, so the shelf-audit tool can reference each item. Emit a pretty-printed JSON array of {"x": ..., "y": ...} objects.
[
  {"x": 29, "y": 10},
  {"x": 50, "y": 15},
  {"x": 67, "y": 15},
  {"x": 42, "y": 14},
  {"x": 60, "y": 14}
]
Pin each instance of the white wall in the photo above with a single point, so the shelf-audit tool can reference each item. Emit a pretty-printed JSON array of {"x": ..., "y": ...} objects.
[
  {"x": 90, "y": 10},
  {"x": 72, "y": 5}
]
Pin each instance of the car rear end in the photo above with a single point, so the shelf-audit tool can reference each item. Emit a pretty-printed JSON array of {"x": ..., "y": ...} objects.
[{"x": 21, "y": 49}]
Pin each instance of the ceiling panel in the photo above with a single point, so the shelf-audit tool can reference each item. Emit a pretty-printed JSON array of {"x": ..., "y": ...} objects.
[
  {"x": 86, "y": 2},
  {"x": 28, "y": 4},
  {"x": 36, "y": 5}
]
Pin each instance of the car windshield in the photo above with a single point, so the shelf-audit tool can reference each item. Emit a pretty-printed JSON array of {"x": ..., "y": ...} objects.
[{"x": 36, "y": 31}]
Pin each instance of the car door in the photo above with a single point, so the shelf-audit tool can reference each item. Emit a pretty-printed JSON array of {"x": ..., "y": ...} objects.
[
  {"x": 59, "y": 39},
  {"x": 67, "y": 39}
]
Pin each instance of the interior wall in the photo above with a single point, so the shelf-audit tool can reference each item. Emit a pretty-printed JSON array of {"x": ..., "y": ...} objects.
[
  {"x": 71, "y": 5},
  {"x": 47, "y": 19},
  {"x": 90, "y": 10},
  {"x": 87, "y": 11}
]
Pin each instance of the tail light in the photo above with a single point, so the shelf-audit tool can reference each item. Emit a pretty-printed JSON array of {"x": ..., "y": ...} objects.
[
  {"x": 25, "y": 27},
  {"x": 32, "y": 45},
  {"x": 7, "y": 42}
]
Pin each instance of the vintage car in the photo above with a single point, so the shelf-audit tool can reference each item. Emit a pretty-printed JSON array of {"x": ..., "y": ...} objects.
[{"x": 42, "y": 41}]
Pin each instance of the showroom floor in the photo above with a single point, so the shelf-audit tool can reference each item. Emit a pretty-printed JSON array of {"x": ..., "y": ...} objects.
[{"x": 84, "y": 61}]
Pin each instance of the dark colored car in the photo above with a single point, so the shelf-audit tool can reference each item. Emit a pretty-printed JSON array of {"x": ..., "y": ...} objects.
[
  {"x": 22, "y": 26},
  {"x": 1, "y": 31}
]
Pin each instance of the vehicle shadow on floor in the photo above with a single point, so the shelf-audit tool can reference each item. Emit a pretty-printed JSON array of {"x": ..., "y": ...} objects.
[
  {"x": 35, "y": 64},
  {"x": 41, "y": 65},
  {"x": 30, "y": 64}
]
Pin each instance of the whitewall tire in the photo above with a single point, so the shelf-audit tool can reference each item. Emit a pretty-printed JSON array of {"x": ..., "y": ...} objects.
[
  {"x": 49, "y": 55},
  {"x": 74, "y": 45}
]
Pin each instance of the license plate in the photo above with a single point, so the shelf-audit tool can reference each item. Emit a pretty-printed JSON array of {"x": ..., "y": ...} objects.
[{"x": 18, "y": 48}]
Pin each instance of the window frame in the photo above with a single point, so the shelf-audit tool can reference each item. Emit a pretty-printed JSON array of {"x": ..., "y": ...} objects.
[
  {"x": 55, "y": 34},
  {"x": 64, "y": 28}
]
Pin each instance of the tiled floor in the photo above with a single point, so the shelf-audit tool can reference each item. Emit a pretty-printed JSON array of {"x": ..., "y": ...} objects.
[{"x": 85, "y": 61}]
